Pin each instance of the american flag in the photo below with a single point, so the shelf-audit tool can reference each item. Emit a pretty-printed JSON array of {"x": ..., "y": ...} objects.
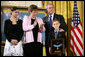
[{"x": 76, "y": 43}]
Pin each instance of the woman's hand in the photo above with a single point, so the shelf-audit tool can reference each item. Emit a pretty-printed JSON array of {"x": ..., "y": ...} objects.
[
  {"x": 14, "y": 42},
  {"x": 41, "y": 26}
]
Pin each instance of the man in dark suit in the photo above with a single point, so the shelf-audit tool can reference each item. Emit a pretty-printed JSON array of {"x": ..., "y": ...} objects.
[{"x": 48, "y": 23}]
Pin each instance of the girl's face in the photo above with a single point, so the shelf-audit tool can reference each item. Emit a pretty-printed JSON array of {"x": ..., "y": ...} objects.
[
  {"x": 15, "y": 13},
  {"x": 34, "y": 13},
  {"x": 56, "y": 25}
]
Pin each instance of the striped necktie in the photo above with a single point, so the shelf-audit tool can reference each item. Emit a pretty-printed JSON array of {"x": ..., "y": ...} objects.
[{"x": 50, "y": 22}]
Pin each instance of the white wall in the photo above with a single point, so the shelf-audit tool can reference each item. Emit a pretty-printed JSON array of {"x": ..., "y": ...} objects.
[{"x": 21, "y": 3}]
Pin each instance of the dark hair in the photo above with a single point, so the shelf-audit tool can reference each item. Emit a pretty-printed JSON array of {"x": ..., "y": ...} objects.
[
  {"x": 14, "y": 8},
  {"x": 32, "y": 7},
  {"x": 55, "y": 19}
]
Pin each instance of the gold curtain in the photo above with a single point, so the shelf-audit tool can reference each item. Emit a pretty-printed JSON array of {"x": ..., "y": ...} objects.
[{"x": 65, "y": 8}]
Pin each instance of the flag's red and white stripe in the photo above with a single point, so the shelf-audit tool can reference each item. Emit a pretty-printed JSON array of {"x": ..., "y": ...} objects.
[{"x": 76, "y": 40}]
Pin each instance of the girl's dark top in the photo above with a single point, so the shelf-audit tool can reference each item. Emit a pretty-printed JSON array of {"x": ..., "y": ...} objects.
[
  {"x": 13, "y": 31},
  {"x": 35, "y": 30}
]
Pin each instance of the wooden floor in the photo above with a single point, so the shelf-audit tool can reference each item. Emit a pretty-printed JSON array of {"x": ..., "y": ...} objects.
[{"x": 2, "y": 50}]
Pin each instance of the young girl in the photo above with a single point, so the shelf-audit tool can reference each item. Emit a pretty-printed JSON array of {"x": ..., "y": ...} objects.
[{"x": 13, "y": 32}]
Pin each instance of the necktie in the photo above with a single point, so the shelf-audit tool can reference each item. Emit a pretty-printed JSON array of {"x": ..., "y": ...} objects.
[
  {"x": 50, "y": 22},
  {"x": 56, "y": 33}
]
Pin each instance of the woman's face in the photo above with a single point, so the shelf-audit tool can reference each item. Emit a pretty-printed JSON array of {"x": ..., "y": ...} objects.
[
  {"x": 15, "y": 13},
  {"x": 34, "y": 13}
]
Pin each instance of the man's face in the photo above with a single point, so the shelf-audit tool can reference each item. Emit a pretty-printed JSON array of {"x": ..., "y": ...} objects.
[
  {"x": 56, "y": 25},
  {"x": 50, "y": 9}
]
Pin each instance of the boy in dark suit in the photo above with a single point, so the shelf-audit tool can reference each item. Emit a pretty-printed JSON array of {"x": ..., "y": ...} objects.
[{"x": 56, "y": 34}]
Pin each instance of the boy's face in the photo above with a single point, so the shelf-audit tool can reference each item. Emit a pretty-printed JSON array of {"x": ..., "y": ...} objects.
[{"x": 56, "y": 25}]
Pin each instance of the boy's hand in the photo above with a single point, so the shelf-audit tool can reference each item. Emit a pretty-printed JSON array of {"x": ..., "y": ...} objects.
[
  {"x": 50, "y": 50},
  {"x": 61, "y": 30}
]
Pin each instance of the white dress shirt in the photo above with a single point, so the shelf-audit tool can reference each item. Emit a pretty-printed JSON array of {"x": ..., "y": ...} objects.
[{"x": 51, "y": 17}]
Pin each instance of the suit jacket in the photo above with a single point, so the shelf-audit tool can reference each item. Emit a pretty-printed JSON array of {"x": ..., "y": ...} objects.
[
  {"x": 47, "y": 25},
  {"x": 52, "y": 36},
  {"x": 27, "y": 27}
]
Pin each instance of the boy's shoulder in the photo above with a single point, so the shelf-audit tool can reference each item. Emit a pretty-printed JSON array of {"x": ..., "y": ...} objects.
[{"x": 61, "y": 33}]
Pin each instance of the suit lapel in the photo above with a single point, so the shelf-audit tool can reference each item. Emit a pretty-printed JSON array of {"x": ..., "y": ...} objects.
[
  {"x": 54, "y": 16},
  {"x": 47, "y": 18},
  {"x": 53, "y": 34}
]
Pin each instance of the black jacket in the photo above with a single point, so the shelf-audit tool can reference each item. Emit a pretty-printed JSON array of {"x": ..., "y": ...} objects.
[{"x": 59, "y": 36}]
